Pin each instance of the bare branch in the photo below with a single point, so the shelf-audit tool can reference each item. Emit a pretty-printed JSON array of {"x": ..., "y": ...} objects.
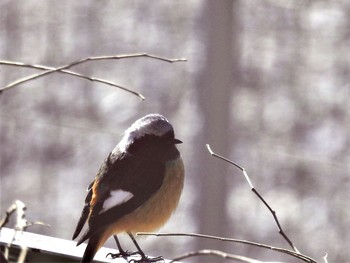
[
  {"x": 258, "y": 195},
  {"x": 209, "y": 252},
  {"x": 81, "y": 61},
  {"x": 281, "y": 250},
  {"x": 38, "y": 223},
  {"x": 41, "y": 67}
]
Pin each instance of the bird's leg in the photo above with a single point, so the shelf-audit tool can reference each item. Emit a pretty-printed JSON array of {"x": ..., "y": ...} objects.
[
  {"x": 144, "y": 258},
  {"x": 122, "y": 253}
]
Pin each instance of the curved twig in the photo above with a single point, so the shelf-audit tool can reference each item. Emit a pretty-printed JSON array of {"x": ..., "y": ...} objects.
[
  {"x": 259, "y": 196},
  {"x": 218, "y": 253},
  {"x": 240, "y": 241}
]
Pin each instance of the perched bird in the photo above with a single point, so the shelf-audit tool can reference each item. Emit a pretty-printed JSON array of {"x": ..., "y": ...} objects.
[{"x": 136, "y": 189}]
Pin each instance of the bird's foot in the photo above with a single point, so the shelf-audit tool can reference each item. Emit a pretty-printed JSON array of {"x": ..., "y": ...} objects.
[
  {"x": 122, "y": 254},
  {"x": 126, "y": 254},
  {"x": 145, "y": 259}
]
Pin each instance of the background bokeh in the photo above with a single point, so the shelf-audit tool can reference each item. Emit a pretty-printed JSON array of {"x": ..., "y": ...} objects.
[{"x": 266, "y": 84}]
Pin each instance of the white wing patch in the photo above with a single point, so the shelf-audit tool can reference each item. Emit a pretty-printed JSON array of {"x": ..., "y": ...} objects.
[{"x": 117, "y": 197}]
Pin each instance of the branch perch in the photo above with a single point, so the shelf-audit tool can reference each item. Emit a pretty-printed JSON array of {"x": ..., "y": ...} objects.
[
  {"x": 218, "y": 253},
  {"x": 281, "y": 250}
]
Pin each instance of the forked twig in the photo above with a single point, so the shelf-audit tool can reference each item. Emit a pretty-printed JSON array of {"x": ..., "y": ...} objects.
[
  {"x": 258, "y": 194},
  {"x": 325, "y": 258},
  {"x": 72, "y": 73},
  {"x": 21, "y": 219},
  {"x": 63, "y": 68}
]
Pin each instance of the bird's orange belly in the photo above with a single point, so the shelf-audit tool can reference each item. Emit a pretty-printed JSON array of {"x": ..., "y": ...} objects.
[{"x": 156, "y": 211}]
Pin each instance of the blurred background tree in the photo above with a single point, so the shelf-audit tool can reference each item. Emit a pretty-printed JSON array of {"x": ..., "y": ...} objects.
[{"x": 266, "y": 84}]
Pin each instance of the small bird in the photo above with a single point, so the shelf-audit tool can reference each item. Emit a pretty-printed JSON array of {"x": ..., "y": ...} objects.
[{"x": 136, "y": 189}]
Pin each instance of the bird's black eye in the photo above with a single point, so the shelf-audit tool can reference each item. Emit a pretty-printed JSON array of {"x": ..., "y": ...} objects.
[{"x": 168, "y": 136}]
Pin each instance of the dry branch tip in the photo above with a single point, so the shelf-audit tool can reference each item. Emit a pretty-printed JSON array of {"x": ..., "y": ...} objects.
[
  {"x": 209, "y": 149},
  {"x": 64, "y": 69}
]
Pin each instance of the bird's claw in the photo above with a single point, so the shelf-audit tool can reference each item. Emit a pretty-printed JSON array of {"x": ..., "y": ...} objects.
[
  {"x": 122, "y": 254},
  {"x": 126, "y": 254},
  {"x": 146, "y": 259}
]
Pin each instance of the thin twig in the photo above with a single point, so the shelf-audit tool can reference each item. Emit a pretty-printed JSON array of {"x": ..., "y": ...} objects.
[
  {"x": 218, "y": 253},
  {"x": 41, "y": 67},
  {"x": 281, "y": 250},
  {"x": 258, "y": 195},
  {"x": 231, "y": 162},
  {"x": 8, "y": 214},
  {"x": 21, "y": 225},
  {"x": 81, "y": 61},
  {"x": 325, "y": 258}
]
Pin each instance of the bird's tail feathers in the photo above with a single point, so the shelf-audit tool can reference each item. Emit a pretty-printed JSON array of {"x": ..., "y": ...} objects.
[{"x": 95, "y": 242}]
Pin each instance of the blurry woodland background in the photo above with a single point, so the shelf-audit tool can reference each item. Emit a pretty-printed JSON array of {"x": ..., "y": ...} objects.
[{"x": 266, "y": 85}]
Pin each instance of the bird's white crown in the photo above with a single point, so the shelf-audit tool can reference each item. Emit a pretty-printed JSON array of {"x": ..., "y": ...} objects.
[{"x": 151, "y": 124}]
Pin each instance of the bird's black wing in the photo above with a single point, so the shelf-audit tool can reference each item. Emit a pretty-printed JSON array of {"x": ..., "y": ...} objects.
[
  {"x": 127, "y": 172},
  {"x": 85, "y": 213}
]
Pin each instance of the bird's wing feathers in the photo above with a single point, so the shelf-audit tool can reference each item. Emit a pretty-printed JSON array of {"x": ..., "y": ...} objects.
[
  {"x": 85, "y": 212},
  {"x": 124, "y": 182}
]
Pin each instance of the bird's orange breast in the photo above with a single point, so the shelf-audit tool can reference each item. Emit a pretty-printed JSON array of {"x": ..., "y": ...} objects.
[{"x": 156, "y": 211}]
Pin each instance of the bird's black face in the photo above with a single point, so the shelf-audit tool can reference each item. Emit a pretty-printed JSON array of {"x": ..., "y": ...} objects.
[
  {"x": 169, "y": 138},
  {"x": 156, "y": 148}
]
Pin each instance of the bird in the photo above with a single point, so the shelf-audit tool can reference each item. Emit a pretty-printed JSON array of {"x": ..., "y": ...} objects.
[{"x": 136, "y": 189}]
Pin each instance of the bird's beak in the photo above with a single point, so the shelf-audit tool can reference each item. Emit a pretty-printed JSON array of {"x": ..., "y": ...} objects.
[{"x": 176, "y": 141}]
